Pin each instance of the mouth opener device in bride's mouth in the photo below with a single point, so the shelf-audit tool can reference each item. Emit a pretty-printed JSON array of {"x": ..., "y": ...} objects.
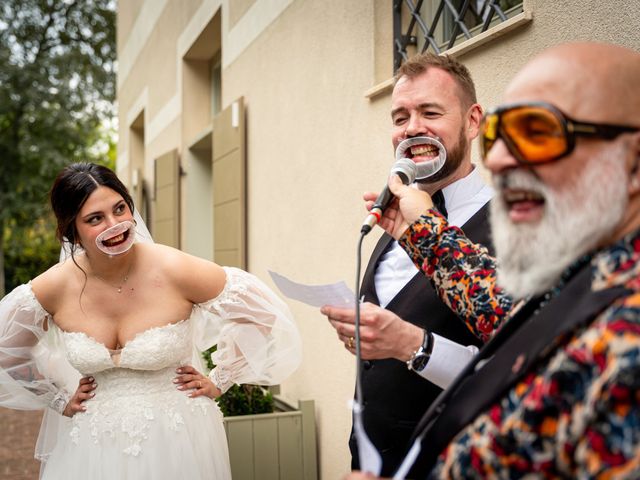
[
  {"x": 128, "y": 231},
  {"x": 427, "y": 168}
]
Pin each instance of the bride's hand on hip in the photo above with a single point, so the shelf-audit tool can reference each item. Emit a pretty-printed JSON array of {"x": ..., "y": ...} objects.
[
  {"x": 85, "y": 391},
  {"x": 189, "y": 378}
]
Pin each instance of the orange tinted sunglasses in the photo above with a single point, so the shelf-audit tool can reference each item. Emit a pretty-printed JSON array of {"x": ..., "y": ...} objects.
[{"x": 537, "y": 132}]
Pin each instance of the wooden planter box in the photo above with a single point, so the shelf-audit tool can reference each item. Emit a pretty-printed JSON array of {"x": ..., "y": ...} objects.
[{"x": 273, "y": 446}]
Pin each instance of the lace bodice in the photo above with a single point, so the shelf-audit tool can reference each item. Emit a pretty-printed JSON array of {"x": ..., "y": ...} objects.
[
  {"x": 152, "y": 349},
  {"x": 135, "y": 382}
]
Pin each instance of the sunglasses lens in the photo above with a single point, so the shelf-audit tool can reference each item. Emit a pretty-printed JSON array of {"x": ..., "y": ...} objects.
[
  {"x": 537, "y": 133},
  {"x": 489, "y": 133}
]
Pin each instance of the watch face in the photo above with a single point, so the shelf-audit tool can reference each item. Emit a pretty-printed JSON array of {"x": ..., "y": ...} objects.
[{"x": 419, "y": 362}]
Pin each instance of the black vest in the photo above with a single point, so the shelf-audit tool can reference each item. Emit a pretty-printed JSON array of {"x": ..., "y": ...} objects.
[{"x": 395, "y": 398}]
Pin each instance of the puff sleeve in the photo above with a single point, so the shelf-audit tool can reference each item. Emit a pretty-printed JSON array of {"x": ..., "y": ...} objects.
[
  {"x": 33, "y": 368},
  {"x": 34, "y": 372},
  {"x": 256, "y": 337}
]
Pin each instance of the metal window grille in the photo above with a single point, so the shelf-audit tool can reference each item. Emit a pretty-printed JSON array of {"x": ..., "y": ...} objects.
[{"x": 440, "y": 24}]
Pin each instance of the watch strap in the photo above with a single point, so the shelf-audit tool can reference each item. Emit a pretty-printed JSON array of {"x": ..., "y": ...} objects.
[{"x": 423, "y": 353}]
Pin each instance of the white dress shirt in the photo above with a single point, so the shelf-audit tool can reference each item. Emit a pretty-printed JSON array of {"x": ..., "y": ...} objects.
[{"x": 463, "y": 199}]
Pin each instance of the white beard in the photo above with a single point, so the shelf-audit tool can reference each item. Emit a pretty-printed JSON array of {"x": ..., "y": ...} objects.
[{"x": 532, "y": 257}]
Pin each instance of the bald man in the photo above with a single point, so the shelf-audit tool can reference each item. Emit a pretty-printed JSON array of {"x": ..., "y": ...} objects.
[{"x": 556, "y": 392}]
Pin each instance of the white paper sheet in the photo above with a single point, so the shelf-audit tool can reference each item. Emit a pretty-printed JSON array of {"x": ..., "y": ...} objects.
[{"x": 334, "y": 294}]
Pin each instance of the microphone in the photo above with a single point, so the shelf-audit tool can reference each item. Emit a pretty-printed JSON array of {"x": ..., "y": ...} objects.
[{"x": 406, "y": 170}]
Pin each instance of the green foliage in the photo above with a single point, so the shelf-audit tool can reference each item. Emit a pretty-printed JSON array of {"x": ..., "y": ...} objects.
[
  {"x": 57, "y": 86},
  {"x": 245, "y": 400},
  {"x": 207, "y": 357},
  {"x": 242, "y": 399},
  {"x": 30, "y": 250}
]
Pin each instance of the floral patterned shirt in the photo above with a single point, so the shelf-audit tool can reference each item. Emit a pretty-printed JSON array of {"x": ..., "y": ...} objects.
[
  {"x": 463, "y": 273},
  {"x": 577, "y": 415}
]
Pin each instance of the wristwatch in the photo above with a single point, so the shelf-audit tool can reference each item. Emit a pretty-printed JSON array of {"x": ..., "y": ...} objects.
[{"x": 420, "y": 357}]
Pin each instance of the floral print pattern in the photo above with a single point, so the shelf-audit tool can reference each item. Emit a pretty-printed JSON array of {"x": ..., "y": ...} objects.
[
  {"x": 575, "y": 415},
  {"x": 463, "y": 273}
]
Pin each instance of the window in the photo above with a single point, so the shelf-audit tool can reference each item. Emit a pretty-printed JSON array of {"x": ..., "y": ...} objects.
[{"x": 438, "y": 25}]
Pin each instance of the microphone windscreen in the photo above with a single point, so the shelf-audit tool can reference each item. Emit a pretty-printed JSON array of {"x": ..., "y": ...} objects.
[{"x": 405, "y": 169}]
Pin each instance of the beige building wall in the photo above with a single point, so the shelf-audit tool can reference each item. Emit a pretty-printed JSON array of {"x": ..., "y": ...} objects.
[{"x": 313, "y": 75}]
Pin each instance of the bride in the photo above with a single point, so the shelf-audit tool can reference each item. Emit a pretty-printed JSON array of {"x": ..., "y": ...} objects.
[{"x": 130, "y": 317}]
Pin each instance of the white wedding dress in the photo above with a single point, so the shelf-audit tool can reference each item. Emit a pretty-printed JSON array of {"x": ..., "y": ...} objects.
[{"x": 138, "y": 425}]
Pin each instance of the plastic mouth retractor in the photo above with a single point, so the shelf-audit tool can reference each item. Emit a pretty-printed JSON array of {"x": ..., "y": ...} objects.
[
  {"x": 127, "y": 229},
  {"x": 427, "y": 168}
]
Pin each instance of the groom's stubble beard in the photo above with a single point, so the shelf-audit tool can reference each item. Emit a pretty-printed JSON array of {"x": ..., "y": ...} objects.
[{"x": 532, "y": 257}]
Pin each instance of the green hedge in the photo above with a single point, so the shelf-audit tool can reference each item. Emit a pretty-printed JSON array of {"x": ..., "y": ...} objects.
[
  {"x": 29, "y": 250},
  {"x": 241, "y": 399}
]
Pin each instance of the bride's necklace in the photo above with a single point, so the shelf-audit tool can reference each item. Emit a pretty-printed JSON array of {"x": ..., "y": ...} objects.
[{"x": 122, "y": 283}]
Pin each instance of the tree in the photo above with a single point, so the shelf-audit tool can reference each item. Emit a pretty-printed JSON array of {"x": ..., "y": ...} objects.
[{"x": 57, "y": 86}]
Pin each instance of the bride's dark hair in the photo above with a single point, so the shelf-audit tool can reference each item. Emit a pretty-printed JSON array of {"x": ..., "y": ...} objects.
[{"x": 70, "y": 191}]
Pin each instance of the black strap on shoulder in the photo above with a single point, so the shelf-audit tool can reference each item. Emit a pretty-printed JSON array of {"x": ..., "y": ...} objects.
[{"x": 522, "y": 342}]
